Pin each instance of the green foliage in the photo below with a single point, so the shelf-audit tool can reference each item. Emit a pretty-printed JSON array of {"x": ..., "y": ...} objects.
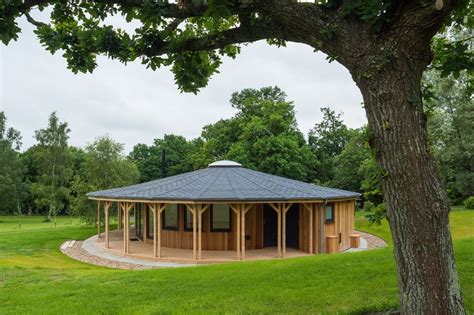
[
  {"x": 469, "y": 203},
  {"x": 50, "y": 189},
  {"x": 104, "y": 166},
  {"x": 378, "y": 214},
  {"x": 177, "y": 150},
  {"x": 263, "y": 135},
  {"x": 12, "y": 186},
  {"x": 369, "y": 206},
  {"x": 327, "y": 140},
  {"x": 451, "y": 130}
]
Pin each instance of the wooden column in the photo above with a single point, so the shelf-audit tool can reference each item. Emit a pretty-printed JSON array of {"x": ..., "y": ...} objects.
[
  {"x": 152, "y": 208},
  {"x": 284, "y": 209},
  {"x": 145, "y": 223},
  {"x": 106, "y": 214},
  {"x": 98, "y": 220},
  {"x": 135, "y": 215},
  {"x": 243, "y": 211},
  {"x": 200, "y": 210},
  {"x": 119, "y": 216},
  {"x": 236, "y": 209},
  {"x": 126, "y": 230},
  {"x": 193, "y": 210},
  {"x": 310, "y": 208},
  {"x": 159, "y": 209},
  {"x": 277, "y": 207}
]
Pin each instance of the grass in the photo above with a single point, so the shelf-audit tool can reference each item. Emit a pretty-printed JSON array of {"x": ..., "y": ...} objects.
[{"x": 36, "y": 278}]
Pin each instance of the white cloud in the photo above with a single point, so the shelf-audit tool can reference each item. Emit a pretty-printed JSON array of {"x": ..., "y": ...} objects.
[{"x": 135, "y": 105}]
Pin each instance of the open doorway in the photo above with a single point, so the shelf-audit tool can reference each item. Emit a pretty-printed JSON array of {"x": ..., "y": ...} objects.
[{"x": 270, "y": 227}]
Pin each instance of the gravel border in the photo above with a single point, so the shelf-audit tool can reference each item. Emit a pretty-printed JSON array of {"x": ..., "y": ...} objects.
[{"x": 79, "y": 251}]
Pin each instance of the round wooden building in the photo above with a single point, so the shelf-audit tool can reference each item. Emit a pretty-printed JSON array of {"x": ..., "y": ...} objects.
[{"x": 226, "y": 212}]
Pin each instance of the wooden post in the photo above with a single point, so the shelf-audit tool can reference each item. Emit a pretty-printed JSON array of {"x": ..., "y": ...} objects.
[
  {"x": 284, "y": 210},
  {"x": 199, "y": 223},
  {"x": 159, "y": 209},
  {"x": 243, "y": 210},
  {"x": 98, "y": 220},
  {"x": 242, "y": 226},
  {"x": 119, "y": 216},
  {"x": 283, "y": 225},
  {"x": 106, "y": 214},
  {"x": 236, "y": 209},
  {"x": 193, "y": 209},
  {"x": 194, "y": 234},
  {"x": 145, "y": 223},
  {"x": 310, "y": 208},
  {"x": 277, "y": 208},
  {"x": 135, "y": 215},
  {"x": 155, "y": 228},
  {"x": 126, "y": 230},
  {"x": 311, "y": 228}
]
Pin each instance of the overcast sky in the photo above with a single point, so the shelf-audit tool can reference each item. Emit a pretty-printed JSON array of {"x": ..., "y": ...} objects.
[{"x": 135, "y": 105}]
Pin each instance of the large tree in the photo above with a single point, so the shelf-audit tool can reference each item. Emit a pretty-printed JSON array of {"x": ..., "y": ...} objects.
[
  {"x": 385, "y": 45},
  {"x": 12, "y": 186},
  {"x": 54, "y": 166},
  {"x": 103, "y": 166},
  {"x": 327, "y": 139}
]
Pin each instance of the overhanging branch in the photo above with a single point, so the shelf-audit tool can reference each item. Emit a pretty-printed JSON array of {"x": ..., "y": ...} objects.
[{"x": 238, "y": 35}]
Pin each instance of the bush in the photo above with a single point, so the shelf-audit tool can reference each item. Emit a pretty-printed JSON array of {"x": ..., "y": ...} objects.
[
  {"x": 369, "y": 205},
  {"x": 379, "y": 214},
  {"x": 469, "y": 203}
]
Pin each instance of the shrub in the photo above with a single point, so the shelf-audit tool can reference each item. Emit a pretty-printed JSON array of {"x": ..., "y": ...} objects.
[
  {"x": 379, "y": 214},
  {"x": 469, "y": 203},
  {"x": 369, "y": 205}
]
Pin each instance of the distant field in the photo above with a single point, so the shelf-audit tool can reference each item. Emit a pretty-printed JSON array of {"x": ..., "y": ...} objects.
[{"x": 36, "y": 278}]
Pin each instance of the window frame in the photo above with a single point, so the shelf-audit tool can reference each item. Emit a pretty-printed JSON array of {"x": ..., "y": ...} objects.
[
  {"x": 188, "y": 229},
  {"x": 333, "y": 211},
  {"x": 229, "y": 229},
  {"x": 163, "y": 219}
]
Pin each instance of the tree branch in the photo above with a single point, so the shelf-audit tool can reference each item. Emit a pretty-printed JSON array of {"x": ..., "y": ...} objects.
[{"x": 238, "y": 35}]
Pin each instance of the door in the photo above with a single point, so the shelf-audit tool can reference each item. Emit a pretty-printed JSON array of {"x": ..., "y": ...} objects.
[
  {"x": 293, "y": 226},
  {"x": 270, "y": 226}
]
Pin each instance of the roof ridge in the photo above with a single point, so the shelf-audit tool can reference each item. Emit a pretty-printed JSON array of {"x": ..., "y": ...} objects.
[
  {"x": 210, "y": 184},
  {"x": 256, "y": 183}
]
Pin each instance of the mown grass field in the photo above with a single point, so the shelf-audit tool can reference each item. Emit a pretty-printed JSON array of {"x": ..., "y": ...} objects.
[{"x": 36, "y": 278}]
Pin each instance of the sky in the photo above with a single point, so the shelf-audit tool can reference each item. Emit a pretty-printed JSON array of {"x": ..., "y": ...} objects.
[{"x": 133, "y": 104}]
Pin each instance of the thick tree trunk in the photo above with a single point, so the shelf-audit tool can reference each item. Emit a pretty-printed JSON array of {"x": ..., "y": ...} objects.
[{"x": 418, "y": 207}]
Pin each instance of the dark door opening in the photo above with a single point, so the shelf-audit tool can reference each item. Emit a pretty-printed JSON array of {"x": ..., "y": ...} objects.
[
  {"x": 270, "y": 226},
  {"x": 293, "y": 227}
]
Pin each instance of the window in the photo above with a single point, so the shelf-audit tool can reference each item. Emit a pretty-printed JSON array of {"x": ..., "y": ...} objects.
[
  {"x": 188, "y": 220},
  {"x": 220, "y": 218},
  {"x": 329, "y": 213},
  {"x": 170, "y": 217}
]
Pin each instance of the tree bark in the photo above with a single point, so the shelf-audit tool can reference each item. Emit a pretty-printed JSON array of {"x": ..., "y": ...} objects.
[{"x": 417, "y": 204}]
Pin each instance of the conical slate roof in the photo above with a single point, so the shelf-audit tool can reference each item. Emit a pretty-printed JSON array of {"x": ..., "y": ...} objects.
[{"x": 224, "y": 181}]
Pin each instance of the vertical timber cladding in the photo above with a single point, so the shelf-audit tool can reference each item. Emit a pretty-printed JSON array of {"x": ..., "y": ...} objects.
[
  {"x": 343, "y": 225},
  {"x": 305, "y": 228},
  {"x": 216, "y": 240}
]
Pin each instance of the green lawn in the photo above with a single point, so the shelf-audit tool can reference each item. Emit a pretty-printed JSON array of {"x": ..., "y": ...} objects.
[{"x": 36, "y": 278}]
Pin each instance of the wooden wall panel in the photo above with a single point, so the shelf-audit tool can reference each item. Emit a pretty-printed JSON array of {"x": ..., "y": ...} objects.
[
  {"x": 344, "y": 224},
  {"x": 217, "y": 240}
]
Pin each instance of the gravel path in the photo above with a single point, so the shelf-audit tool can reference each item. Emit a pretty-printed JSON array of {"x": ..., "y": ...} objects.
[
  {"x": 372, "y": 240},
  {"x": 77, "y": 251}
]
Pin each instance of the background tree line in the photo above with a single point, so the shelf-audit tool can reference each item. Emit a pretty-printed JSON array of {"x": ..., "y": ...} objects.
[{"x": 52, "y": 177}]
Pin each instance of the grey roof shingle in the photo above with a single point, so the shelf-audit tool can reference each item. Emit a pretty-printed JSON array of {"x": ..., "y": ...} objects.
[{"x": 224, "y": 182}]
